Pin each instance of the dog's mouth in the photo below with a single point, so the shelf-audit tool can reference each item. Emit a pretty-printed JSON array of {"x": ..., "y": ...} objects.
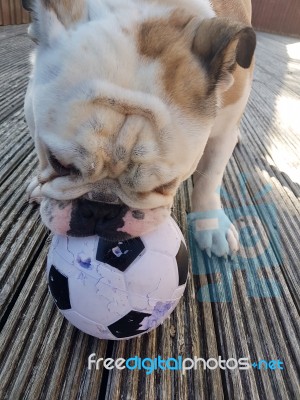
[
  {"x": 82, "y": 217},
  {"x": 102, "y": 219}
]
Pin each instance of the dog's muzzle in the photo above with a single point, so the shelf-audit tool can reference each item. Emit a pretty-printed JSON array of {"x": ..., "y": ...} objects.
[{"x": 83, "y": 217}]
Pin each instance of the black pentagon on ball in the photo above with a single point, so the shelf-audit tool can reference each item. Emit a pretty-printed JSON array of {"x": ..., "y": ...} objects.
[
  {"x": 59, "y": 288},
  {"x": 119, "y": 255},
  {"x": 128, "y": 325},
  {"x": 182, "y": 264}
]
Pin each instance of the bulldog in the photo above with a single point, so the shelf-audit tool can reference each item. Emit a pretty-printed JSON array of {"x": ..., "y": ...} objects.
[{"x": 126, "y": 100}]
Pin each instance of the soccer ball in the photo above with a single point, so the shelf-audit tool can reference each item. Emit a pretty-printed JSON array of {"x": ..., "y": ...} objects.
[{"x": 118, "y": 290}]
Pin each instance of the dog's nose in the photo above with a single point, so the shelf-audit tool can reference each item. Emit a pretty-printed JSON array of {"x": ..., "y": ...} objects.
[{"x": 94, "y": 218}]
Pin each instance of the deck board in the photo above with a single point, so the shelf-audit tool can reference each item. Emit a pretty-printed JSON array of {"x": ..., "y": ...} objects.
[{"x": 231, "y": 308}]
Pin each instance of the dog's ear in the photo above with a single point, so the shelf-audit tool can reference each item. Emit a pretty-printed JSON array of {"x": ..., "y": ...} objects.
[
  {"x": 221, "y": 45},
  {"x": 27, "y": 5},
  {"x": 51, "y": 17}
]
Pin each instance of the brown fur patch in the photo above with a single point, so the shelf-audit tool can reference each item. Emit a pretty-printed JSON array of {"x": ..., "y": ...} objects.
[
  {"x": 67, "y": 11},
  {"x": 236, "y": 10},
  {"x": 185, "y": 82},
  {"x": 236, "y": 91}
]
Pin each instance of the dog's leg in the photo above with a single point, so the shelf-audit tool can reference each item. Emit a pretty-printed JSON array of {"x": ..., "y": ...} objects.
[
  {"x": 212, "y": 228},
  {"x": 221, "y": 237}
]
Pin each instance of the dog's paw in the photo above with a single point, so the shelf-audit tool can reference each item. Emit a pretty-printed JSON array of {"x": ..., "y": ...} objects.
[
  {"x": 214, "y": 232},
  {"x": 33, "y": 191}
]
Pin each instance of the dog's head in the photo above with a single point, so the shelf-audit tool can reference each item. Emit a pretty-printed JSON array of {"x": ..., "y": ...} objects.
[{"x": 120, "y": 103}]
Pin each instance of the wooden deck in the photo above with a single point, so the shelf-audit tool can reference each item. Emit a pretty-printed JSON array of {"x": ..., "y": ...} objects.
[{"x": 247, "y": 307}]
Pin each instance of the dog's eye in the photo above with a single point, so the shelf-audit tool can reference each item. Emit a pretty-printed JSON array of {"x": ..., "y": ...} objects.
[
  {"x": 164, "y": 189},
  {"x": 60, "y": 169}
]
